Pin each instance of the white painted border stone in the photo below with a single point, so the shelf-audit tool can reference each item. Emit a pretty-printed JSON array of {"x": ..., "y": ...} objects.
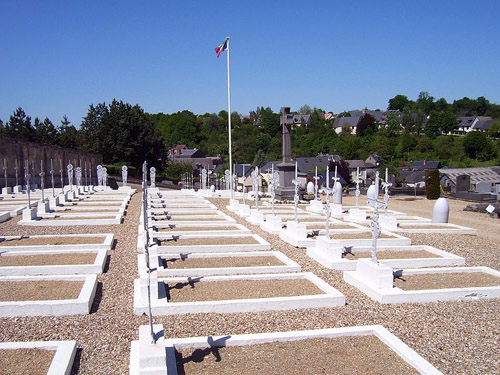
[
  {"x": 65, "y": 269},
  {"x": 397, "y": 295},
  {"x": 329, "y": 260},
  {"x": 64, "y": 355},
  {"x": 288, "y": 266},
  {"x": 399, "y": 347},
  {"x": 160, "y": 306},
  {"x": 261, "y": 245},
  {"x": 79, "y": 306},
  {"x": 106, "y": 244}
]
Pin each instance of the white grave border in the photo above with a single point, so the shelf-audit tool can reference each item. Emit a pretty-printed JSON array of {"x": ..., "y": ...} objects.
[
  {"x": 139, "y": 347},
  {"x": 106, "y": 244},
  {"x": 64, "y": 355},
  {"x": 78, "y": 306}
]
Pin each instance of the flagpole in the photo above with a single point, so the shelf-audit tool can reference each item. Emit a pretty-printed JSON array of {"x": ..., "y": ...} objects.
[{"x": 229, "y": 120}]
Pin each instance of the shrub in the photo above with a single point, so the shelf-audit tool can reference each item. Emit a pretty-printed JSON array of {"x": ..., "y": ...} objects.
[{"x": 432, "y": 184}]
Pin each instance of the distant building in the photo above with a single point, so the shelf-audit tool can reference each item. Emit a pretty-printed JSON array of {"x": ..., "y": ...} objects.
[
  {"x": 470, "y": 123},
  {"x": 488, "y": 175},
  {"x": 195, "y": 157}
]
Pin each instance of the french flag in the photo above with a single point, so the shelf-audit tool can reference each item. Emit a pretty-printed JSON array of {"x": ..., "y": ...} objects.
[{"x": 222, "y": 47}]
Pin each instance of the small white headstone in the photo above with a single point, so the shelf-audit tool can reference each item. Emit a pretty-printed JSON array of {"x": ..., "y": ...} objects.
[
  {"x": 310, "y": 188},
  {"x": 490, "y": 208}
]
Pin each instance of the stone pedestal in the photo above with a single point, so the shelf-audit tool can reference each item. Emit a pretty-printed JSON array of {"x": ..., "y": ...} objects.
[
  {"x": 43, "y": 207},
  {"x": 273, "y": 223},
  {"x": 143, "y": 285},
  {"x": 233, "y": 205},
  {"x": 286, "y": 189},
  {"x": 243, "y": 210},
  {"x": 70, "y": 195},
  {"x": 332, "y": 247},
  {"x": 378, "y": 276},
  {"x": 256, "y": 217},
  {"x": 18, "y": 189},
  {"x": 29, "y": 214},
  {"x": 389, "y": 223},
  {"x": 315, "y": 206},
  {"x": 152, "y": 356},
  {"x": 336, "y": 209},
  {"x": 6, "y": 190},
  {"x": 54, "y": 202},
  {"x": 337, "y": 197},
  {"x": 357, "y": 214}
]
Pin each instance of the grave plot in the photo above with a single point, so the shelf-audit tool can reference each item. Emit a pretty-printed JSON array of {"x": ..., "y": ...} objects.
[
  {"x": 192, "y": 218},
  {"x": 345, "y": 259},
  {"x": 4, "y": 216},
  {"x": 39, "y": 262},
  {"x": 364, "y": 215},
  {"x": 74, "y": 219},
  {"x": 59, "y": 243},
  {"x": 208, "y": 229},
  {"x": 297, "y": 235},
  {"x": 183, "y": 211},
  {"x": 37, "y": 357},
  {"x": 360, "y": 350},
  {"x": 46, "y": 295},
  {"x": 235, "y": 293},
  {"x": 77, "y": 208},
  {"x": 384, "y": 285},
  {"x": 201, "y": 243},
  {"x": 208, "y": 264},
  {"x": 411, "y": 226}
]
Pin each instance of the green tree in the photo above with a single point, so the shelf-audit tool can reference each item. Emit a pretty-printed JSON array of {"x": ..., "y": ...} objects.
[
  {"x": 474, "y": 143},
  {"x": 425, "y": 144},
  {"x": 260, "y": 159},
  {"x": 45, "y": 132},
  {"x": 270, "y": 122},
  {"x": 123, "y": 133},
  {"x": 19, "y": 126},
  {"x": 425, "y": 102},
  {"x": 175, "y": 170},
  {"x": 393, "y": 124},
  {"x": 399, "y": 102},
  {"x": 366, "y": 125},
  {"x": 444, "y": 146},
  {"x": 494, "y": 129}
]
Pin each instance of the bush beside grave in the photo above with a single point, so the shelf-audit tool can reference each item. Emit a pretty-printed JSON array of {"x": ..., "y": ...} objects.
[
  {"x": 116, "y": 169},
  {"x": 432, "y": 184}
]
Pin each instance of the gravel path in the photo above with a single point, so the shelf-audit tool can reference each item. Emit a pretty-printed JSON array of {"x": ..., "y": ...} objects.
[{"x": 456, "y": 337}]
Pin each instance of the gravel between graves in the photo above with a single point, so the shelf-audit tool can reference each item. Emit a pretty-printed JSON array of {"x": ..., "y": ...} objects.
[
  {"x": 25, "y": 361},
  {"x": 346, "y": 355},
  {"x": 456, "y": 337}
]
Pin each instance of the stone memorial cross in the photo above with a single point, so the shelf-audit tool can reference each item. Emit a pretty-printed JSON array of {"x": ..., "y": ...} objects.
[
  {"x": 255, "y": 186},
  {"x": 70, "y": 176},
  {"x": 152, "y": 176},
  {"x": 386, "y": 185},
  {"x": 296, "y": 182},
  {"x": 124, "y": 175},
  {"x": 227, "y": 178},
  {"x": 42, "y": 179},
  {"x": 273, "y": 184},
  {"x": 374, "y": 225}
]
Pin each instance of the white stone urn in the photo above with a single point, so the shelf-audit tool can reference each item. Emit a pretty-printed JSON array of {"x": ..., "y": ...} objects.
[{"x": 441, "y": 211}]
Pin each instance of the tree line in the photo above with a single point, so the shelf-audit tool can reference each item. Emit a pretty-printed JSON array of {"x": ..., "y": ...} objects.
[{"x": 125, "y": 133}]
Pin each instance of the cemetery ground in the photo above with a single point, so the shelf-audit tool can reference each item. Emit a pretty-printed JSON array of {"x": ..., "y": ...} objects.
[{"x": 457, "y": 337}]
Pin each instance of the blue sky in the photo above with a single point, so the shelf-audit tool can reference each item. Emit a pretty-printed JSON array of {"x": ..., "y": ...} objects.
[{"x": 58, "y": 57}]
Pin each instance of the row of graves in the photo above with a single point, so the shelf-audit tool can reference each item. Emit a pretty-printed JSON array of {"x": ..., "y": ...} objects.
[
  {"x": 193, "y": 258},
  {"x": 55, "y": 274},
  {"x": 368, "y": 243}
]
